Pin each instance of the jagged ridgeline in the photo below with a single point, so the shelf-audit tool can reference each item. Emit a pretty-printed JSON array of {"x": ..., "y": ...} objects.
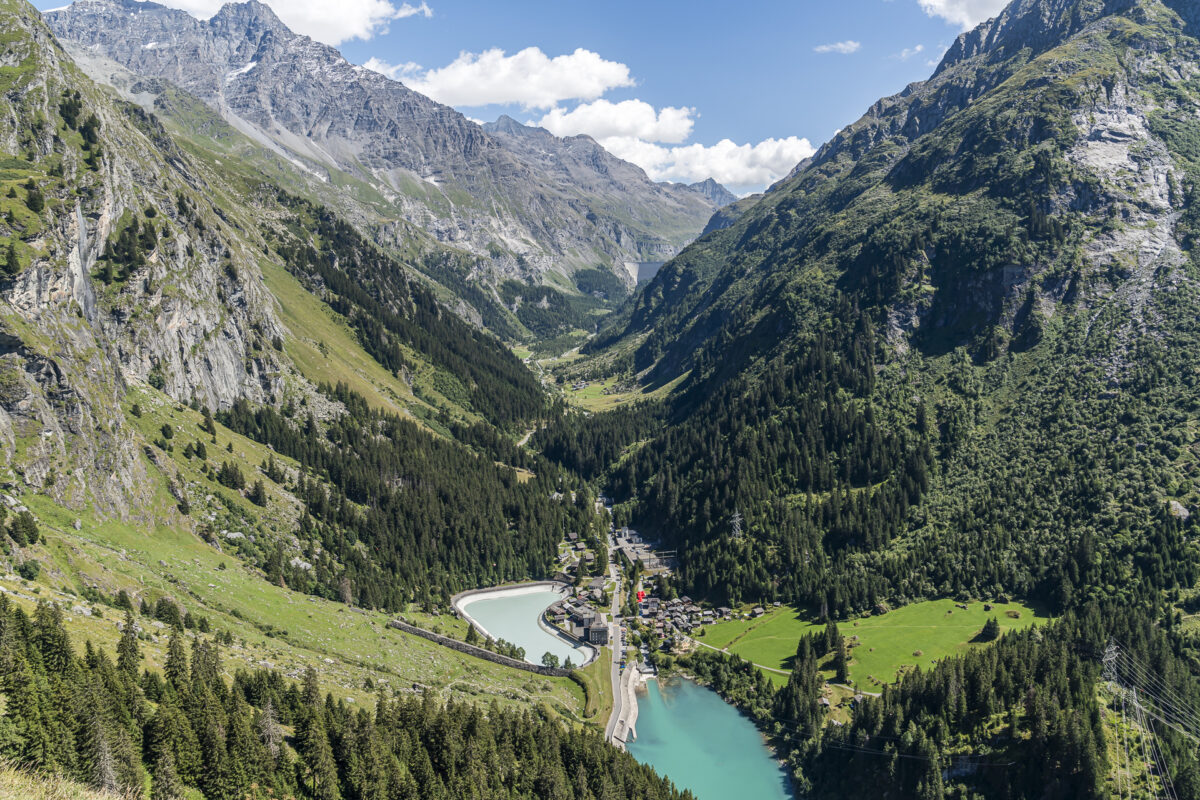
[
  {"x": 955, "y": 352},
  {"x": 528, "y": 205}
]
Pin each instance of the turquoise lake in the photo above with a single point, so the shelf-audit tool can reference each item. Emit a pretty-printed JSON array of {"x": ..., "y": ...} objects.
[
  {"x": 692, "y": 736},
  {"x": 513, "y": 615}
]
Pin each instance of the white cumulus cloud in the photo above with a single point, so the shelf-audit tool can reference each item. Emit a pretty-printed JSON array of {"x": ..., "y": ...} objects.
[
  {"x": 331, "y": 23},
  {"x": 529, "y": 78},
  {"x": 964, "y": 13},
  {"x": 394, "y": 71},
  {"x": 741, "y": 168},
  {"x": 568, "y": 90},
  {"x": 845, "y": 48},
  {"x": 637, "y": 119},
  {"x": 909, "y": 52}
]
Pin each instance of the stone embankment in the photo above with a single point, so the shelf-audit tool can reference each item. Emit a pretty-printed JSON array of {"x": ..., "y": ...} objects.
[
  {"x": 479, "y": 652},
  {"x": 457, "y": 603}
]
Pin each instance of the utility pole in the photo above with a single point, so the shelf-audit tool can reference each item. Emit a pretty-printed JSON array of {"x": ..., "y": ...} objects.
[{"x": 735, "y": 524}]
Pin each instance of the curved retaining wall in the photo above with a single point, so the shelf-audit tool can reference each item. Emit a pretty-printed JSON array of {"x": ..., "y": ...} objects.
[
  {"x": 458, "y": 598},
  {"x": 479, "y": 652},
  {"x": 574, "y": 641},
  {"x": 570, "y": 639}
]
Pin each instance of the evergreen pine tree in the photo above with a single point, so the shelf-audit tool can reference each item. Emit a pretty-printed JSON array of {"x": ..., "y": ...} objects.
[
  {"x": 831, "y": 637},
  {"x": 258, "y": 494},
  {"x": 841, "y": 661},
  {"x": 128, "y": 656},
  {"x": 317, "y": 757},
  {"x": 166, "y": 784},
  {"x": 12, "y": 263},
  {"x": 100, "y": 765},
  {"x": 176, "y": 667}
]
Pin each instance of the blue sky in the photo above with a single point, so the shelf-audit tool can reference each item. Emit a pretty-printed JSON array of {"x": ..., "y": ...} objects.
[{"x": 684, "y": 89}]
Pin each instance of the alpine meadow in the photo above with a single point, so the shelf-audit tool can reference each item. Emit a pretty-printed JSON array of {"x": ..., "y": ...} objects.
[{"x": 352, "y": 448}]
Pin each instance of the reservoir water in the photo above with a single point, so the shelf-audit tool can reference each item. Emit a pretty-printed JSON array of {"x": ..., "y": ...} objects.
[
  {"x": 702, "y": 743},
  {"x": 512, "y": 614}
]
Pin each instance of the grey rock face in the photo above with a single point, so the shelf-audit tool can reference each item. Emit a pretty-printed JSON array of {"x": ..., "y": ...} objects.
[
  {"x": 193, "y": 316},
  {"x": 718, "y": 194},
  {"x": 554, "y": 203}
]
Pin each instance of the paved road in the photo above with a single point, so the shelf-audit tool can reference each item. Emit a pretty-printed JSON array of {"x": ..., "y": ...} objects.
[
  {"x": 614, "y": 640},
  {"x": 525, "y": 439}
]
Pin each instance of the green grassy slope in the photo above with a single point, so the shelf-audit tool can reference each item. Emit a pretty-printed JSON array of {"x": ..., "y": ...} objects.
[
  {"x": 882, "y": 647},
  {"x": 153, "y": 554}
]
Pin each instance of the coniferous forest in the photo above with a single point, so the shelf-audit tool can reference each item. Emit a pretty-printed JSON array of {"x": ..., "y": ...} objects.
[
  {"x": 109, "y": 722},
  {"x": 1020, "y": 719},
  {"x": 406, "y": 516}
]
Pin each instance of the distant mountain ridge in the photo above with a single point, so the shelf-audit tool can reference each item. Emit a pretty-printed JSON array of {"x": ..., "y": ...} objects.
[{"x": 559, "y": 204}]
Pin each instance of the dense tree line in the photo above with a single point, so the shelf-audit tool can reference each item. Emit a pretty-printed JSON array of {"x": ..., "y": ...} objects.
[
  {"x": 799, "y": 449},
  {"x": 589, "y": 444},
  {"x": 1035, "y": 475},
  {"x": 546, "y": 311},
  {"x": 110, "y": 724},
  {"x": 402, "y": 515},
  {"x": 389, "y": 312},
  {"x": 1017, "y": 719}
]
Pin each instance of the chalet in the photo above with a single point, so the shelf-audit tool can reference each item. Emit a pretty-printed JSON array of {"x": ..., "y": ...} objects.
[
  {"x": 724, "y": 613},
  {"x": 589, "y": 557},
  {"x": 572, "y": 537},
  {"x": 580, "y": 547},
  {"x": 596, "y": 583},
  {"x": 757, "y": 611}
]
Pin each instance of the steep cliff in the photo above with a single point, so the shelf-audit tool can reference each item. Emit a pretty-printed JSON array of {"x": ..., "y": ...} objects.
[{"x": 187, "y": 313}]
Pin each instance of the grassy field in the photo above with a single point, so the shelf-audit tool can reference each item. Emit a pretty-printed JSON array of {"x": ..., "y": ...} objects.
[
  {"x": 598, "y": 395},
  {"x": 881, "y": 647},
  {"x": 155, "y": 552},
  {"x": 18, "y": 785},
  {"x": 599, "y": 688},
  {"x": 325, "y": 349}
]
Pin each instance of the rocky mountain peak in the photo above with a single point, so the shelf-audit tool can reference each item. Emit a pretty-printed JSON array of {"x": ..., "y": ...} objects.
[
  {"x": 252, "y": 16},
  {"x": 1033, "y": 25},
  {"x": 506, "y": 124},
  {"x": 527, "y": 200},
  {"x": 718, "y": 194}
]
